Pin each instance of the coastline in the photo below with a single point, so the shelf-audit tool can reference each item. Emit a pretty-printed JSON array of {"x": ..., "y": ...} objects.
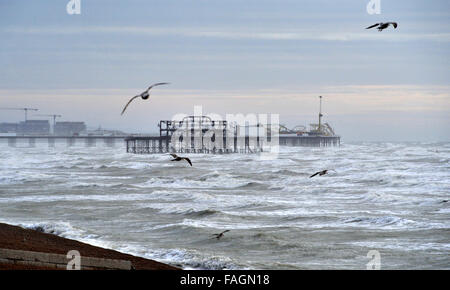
[{"x": 18, "y": 238}]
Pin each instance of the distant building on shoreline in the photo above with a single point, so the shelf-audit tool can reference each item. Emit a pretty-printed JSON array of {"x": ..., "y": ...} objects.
[
  {"x": 69, "y": 128},
  {"x": 8, "y": 127},
  {"x": 29, "y": 127},
  {"x": 42, "y": 127},
  {"x": 105, "y": 132},
  {"x": 34, "y": 127}
]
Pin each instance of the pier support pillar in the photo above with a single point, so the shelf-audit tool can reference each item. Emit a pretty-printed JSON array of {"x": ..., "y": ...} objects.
[
  {"x": 70, "y": 142},
  {"x": 12, "y": 142},
  {"x": 90, "y": 142},
  {"x": 109, "y": 142}
]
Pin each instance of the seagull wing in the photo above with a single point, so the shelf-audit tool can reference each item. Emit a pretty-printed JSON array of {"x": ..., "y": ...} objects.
[
  {"x": 129, "y": 103},
  {"x": 315, "y": 174},
  {"x": 188, "y": 160},
  {"x": 372, "y": 26},
  {"x": 157, "y": 84},
  {"x": 225, "y": 231},
  {"x": 173, "y": 155}
]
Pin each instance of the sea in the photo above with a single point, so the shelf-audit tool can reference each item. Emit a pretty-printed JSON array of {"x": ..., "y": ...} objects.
[{"x": 381, "y": 201}]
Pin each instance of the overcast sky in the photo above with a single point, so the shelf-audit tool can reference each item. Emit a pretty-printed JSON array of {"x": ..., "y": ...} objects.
[{"x": 230, "y": 57}]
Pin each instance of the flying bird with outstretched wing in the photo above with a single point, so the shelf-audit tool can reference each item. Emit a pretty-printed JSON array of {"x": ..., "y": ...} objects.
[
  {"x": 178, "y": 158},
  {"x": 382, "y": 26},
  {"x": 144, "y": 95},
  {"x": 320, "y": 173},
  {"x": 372, "y": 26},
  {"x": 218, "y": 236}
]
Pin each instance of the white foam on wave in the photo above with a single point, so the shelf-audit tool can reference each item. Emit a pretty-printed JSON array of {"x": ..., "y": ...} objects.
[
  {"x": 134, "y": 165},
  {"x": 186, "y": 258},
  {"x": 404, "y": 246},
  {"x": 22, "y": 176},
  {"x": 62, "y": 229},
  {"x": 444, "y": 210},
  {"x": 222, "y": 181},
  {"x": 186, "y": 201},
  {"x": 225, "y": 224},
  {"x": 78, "y": 197},
  {"x": 383, "y": 221},
  {"x": 92, "y": 184}
]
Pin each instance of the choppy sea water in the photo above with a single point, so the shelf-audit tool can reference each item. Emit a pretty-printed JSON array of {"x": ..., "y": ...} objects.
[{"x": 388, "y": 197}]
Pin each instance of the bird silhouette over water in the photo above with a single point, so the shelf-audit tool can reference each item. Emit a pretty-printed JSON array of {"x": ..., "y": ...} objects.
[
  {"x": 382, "y": 26},
  {"x": 144, "y": 95},
  {"x": 218, "y": 236},
  {"x": 320, "y": 173},
  {"x": 178, "y": 158}
]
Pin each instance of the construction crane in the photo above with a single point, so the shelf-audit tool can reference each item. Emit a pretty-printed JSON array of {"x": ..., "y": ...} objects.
[
  {"x": 22, "y": 109},
  {"x": 320, "y": 115},
  {"x": 53, "y": 116}
]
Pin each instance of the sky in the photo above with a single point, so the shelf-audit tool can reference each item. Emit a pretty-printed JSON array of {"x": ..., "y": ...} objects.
[{"x": 230, "y": 57}]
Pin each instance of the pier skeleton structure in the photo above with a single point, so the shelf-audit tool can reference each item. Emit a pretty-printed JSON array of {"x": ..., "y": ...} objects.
[{"x": 201, "y": 134}]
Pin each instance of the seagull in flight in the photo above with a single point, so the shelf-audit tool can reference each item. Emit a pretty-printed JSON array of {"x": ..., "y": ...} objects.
[
  {"x": 218, "y": 236},
  {"x": 382, "y": 25},
  {"x": 320, "y": 173},
  {"x": 144, "y": 95},
  {"x": 178, "y": 158}
]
